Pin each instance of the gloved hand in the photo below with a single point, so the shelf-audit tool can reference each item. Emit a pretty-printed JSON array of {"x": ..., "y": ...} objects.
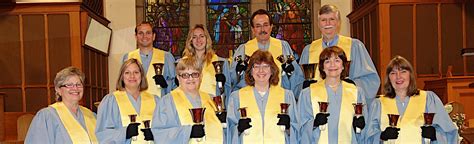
[
  {"x": 307, "y": 83},
  {"x": 148, "y": 134},
  {"x": 358, "y": 122},
  {"x": 428, "y": 132},
  {"x": 288, "y": 68},
  {"x": 132, "y": 130},
  {"x": 160, "y": 80},
  {"x": 320, "y": 119},
  {"x": 244, "y": 124},
  {"x": 197, "y": 131},
  {"x": 220, "y": 78},
  {"x": 389, "y": 133},
  {"x": 284, "y": 120},
  {"x": 240, "y": 68},
  {"x": 222, "y": 116}
]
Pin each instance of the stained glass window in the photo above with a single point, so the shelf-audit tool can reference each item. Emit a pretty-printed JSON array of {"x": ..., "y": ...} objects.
[
  {"x": 171, "y": 23},
  {"x": 228, "y": 24},
  {"x": 292, "y": 22}
]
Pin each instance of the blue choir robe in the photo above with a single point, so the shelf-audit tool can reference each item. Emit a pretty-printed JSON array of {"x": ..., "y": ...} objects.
[
  {"x": 169, "y": 72},
  {"x": 294, "y": 83},
  {"x": 167, "y": 127},
  {"x": 109, "y": 122},
  {"x": 233, "y": 116},
  {"x": 446, "y": 131},
  {"x": 306, "y": 116},
  {"x": 46, "y": 127},
  {"x": 209, "y": 79},
  {"x": 362, "y": 70}
]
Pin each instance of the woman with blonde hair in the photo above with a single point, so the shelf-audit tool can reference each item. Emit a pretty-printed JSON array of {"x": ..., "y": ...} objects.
[
  {"x": 124, "y": 111},
  {"x": 64, "y": 121}
]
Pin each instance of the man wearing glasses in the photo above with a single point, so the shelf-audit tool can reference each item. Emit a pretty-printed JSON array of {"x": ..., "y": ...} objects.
[{"x": 290, "y": 72}]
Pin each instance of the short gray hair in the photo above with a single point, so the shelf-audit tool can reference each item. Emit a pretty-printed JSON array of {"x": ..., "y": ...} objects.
[{"x": 63, "y": 75}]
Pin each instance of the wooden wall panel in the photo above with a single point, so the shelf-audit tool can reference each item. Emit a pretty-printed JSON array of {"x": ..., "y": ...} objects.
[
  {"x": 13, "y": 100},
  {"x": 469, "y": 15},
  {"x": 59, "y": 43},
  {"x": 36, "y": 98},
  {"x": 34, "y": 48},
  {"x": 366, "y": 33},
  {"x": 401, "y": 27},
  {"x": 10, "y": 50},
  {"x": 451, "y": 36},
  {"x": 426, "y": 39},
  {"x": 375, "y": 39}
]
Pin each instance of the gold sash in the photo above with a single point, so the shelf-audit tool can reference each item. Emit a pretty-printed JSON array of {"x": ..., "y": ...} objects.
[
  {"x": 126, "y": 108},
  {"x": 208, "y": 82},
  {"x": 271, "y": 132},
  {"x": 317, "y": 47},
  {"x": 157, "y": 57},
  {"x": 276, "y": 49},
  {"x": 410, "y": 122},
  {"x": 212, "y": 125},
  {"x": 349, "y": 96},
  {"x": 76, "y": 132}
]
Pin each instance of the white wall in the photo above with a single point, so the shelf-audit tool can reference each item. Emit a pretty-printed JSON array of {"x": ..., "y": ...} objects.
[
  {"x": 122, "y": 16},
  {"x": 345, "y": 7}
]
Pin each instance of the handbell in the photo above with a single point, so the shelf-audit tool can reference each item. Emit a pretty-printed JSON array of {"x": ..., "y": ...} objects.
[{"x": 158, "y": 68}]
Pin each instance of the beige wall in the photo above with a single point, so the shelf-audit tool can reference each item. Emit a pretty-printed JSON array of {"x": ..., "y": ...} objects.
[{"x": 123, "y": 17}]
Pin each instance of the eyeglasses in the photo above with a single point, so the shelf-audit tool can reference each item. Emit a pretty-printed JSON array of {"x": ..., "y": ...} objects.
[
  {"x": 187, "y": 75},
  {"x": 78, "y": 85},
  {"x": 261, "y": 66}
]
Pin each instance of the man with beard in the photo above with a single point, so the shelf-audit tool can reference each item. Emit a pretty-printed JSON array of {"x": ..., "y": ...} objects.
[
  {"x": 362, "y": 71},
  {"x": 291, "y": 74}
]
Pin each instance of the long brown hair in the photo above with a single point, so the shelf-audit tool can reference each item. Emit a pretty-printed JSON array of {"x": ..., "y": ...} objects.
[
  {"x": 399, "y": 63},
  {"x": 189, "y": 51},
  {"x": 143, "y": 82},
  {"x": 259, "y": 57}
]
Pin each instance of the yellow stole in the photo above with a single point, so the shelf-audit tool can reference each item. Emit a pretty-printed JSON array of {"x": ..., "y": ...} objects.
[
  {"x": 208, "y": 82},
  {"x": 76, "y": 132},
  {"x": 317, "y": 47},
  {"x": 212, "y": 125},
  {"x": 412, "y": 120},
  {"x": 349, "y": 96},
  {"x": 126, "y": 108},
  {"x": 271, "y": 133},
  {"x": 157, "y": 57},
  {"x": 276, "y": 49}
]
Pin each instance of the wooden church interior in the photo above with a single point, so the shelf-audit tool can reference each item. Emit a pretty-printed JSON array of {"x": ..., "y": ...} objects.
[{"x": 40, "y": 37}]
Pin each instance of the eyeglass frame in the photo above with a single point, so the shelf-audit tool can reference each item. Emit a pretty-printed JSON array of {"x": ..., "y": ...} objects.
[
  {"x": 188, "y": 75},
  {"x": 261, "y": 67},
  {"x": 70, "y": 85}
]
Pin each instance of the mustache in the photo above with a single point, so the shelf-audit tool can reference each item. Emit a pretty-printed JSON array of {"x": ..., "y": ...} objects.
[
  {"x": 328, "y": 27},
  {"x": 263, "y": 33}
]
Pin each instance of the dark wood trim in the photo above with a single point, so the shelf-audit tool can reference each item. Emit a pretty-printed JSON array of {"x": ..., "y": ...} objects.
[
  {"x": 22, "y": 63},
  {"x": 440, "y": 50},
  {"x": 414, "y": 39},
  {"x": 48, "y": 72}
]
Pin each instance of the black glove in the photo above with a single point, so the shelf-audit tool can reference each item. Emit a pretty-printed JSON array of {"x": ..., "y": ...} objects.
[
  {"x": 148, "y": 134},
  {"x": 240, "y": 68},
  {"x": 320, "y": 119},
  {"x": 307, "y": 83},
  {"x": 288, "y": 68},
  {"x": 358, "y": 122},
  {"x": 160, "y": 80},
  {"x": 132, "y": 130},
  {"x": 244, "y": 124},
  {"x": 428, "y": 132},
  {"x": 284, "y": 120},
  {"x": 349, "y": 81},
  {"x": 389, "y": 133},
  {"x": 220, "y": 78},
  {"x": 222, "y": 116},
  {"x": 197, "y": 131}
]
